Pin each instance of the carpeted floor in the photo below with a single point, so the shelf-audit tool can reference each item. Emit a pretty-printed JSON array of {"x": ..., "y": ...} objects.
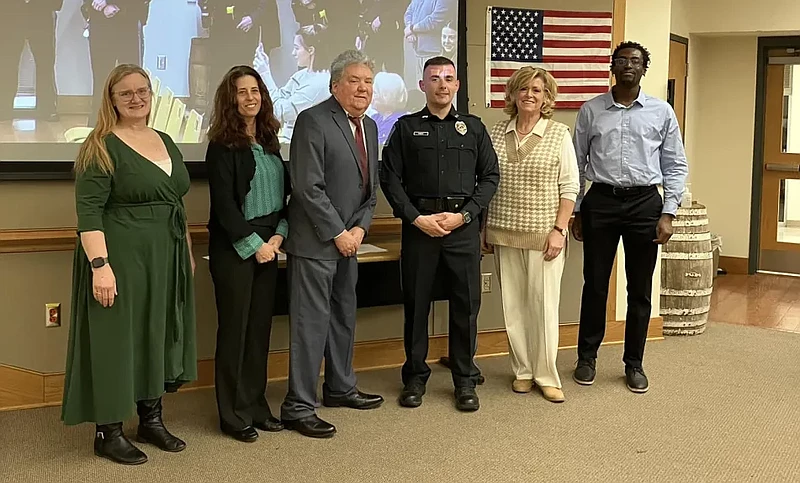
[{"x": 722, "y": 407}]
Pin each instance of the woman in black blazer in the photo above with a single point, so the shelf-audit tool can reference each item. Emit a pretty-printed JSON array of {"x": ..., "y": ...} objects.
[{"x": 248, "y": 184}]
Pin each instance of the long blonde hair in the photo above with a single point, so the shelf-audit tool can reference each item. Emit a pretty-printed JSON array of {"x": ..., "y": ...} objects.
[{"x": 93, "y": 152}]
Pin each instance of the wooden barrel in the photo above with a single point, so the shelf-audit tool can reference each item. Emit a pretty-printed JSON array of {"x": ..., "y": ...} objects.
[{"x": 687, "y": 266}]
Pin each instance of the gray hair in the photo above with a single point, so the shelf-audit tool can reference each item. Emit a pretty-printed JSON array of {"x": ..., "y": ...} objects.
[{"x": 346, "y": 59}]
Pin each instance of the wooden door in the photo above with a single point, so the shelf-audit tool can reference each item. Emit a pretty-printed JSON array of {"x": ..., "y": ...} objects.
[{"x": 678, "y": 68}]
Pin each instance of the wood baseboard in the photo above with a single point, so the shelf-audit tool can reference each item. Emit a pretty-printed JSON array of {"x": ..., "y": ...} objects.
[
  {"x": 25, "y": 389},
  {"x": 734, "y": 265}
]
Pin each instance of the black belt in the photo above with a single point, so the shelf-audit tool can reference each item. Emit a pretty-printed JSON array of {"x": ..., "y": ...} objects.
[
  {"x": 621, "y": 191},
  {"x": 453, "y": 204}
]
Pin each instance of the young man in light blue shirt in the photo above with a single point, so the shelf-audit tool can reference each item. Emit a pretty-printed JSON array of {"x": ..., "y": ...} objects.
[{"x": 627, "y": 144}]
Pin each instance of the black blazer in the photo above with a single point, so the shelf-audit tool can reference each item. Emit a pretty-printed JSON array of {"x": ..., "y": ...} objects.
[{"x": 230, "y": 171}]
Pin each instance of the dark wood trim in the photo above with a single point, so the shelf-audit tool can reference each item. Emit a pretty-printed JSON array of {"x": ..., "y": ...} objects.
[
  {"x": 62, "y": 170},
  {"x": 734, "y": 265},
  {"x": 63, "y": 239},
  {"x": 678, "y": 38},
  {"x": 764, "y": 45}
]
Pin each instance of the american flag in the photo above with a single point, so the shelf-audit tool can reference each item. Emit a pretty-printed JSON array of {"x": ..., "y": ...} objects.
[{"x": 575, "y": 47}]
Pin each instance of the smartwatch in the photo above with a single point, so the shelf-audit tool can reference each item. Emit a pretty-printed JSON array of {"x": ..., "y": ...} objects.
[
  {"x": 467, "y": 217},
  {"x": 99, "y": 262}
]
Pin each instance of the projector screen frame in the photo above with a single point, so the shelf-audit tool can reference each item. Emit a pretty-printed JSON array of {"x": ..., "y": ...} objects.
[{"x": 40, "y": 166}]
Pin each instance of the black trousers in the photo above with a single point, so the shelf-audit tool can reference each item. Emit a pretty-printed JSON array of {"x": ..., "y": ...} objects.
[
  {"x": 245, "y": 296},
  {"x": 608, "y": 215},
  {"x": 38, "y": 28},
  {"x": 456, "y": 258},
  {"x": 112, "y": 41}
]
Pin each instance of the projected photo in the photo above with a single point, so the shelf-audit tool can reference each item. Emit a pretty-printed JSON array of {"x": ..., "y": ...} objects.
[{"x": 56, "y": 55}]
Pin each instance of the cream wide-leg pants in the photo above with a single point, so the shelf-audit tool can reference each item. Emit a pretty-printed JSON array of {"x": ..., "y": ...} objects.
[{"x": 531, "y": 289}]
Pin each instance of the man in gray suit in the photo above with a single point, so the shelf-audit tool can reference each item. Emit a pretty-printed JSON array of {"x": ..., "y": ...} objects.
[{"x": 333, "y": 163}]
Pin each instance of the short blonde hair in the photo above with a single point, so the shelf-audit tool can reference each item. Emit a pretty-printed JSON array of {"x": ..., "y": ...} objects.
[{"x": 523, "y": 78}]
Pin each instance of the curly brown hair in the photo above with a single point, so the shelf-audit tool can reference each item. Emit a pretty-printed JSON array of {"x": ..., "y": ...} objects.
[{"x": 227, "y": 126}]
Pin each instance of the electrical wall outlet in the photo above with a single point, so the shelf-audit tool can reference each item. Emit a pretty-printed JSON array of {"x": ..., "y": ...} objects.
[
  {"x": 52, "y": 316},
  {"x": 486, "y": 282},
  {"x": 161, "y": 62}
]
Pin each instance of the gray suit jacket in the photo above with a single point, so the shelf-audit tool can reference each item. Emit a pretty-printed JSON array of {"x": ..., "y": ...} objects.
[{"x": 326, "y": 180}]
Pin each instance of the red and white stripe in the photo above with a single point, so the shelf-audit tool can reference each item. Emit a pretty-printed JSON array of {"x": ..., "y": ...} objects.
[{"x": 576, "y": 51}]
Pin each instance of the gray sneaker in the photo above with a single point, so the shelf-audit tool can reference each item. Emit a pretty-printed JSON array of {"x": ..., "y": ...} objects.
[
  {"x": 584, "y": 372},
  {"x": 636, "y": 380}
]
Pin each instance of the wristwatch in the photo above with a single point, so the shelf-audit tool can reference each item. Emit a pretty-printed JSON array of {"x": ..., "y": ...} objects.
[
  {"x": 563, "y": 231},
  {"x": 99, "y": 262},
  {"x": 467, "y": 217}
]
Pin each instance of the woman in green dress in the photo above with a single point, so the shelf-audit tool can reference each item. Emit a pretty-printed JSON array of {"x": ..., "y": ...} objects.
[{"x": 132, "y": 332}]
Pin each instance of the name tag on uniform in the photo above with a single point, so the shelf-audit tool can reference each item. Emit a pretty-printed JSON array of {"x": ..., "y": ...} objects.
[{"x": 421, "y": 133}]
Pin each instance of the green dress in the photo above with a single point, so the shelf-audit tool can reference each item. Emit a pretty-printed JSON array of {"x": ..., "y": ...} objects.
[{"x": 144, "y": 343}]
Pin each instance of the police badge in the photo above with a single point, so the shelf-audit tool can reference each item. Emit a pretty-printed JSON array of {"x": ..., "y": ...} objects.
[{"x": 461, "y": 127}]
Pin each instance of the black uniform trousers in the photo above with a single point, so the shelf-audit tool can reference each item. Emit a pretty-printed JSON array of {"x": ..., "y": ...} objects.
[
  {"x": 608, "y": 214},
  {"x": 38, "y": 28},
  {"x": 245, "y": 296},
  {"x": 112, "y": 41},
  {"x": 457, "y": 258}
]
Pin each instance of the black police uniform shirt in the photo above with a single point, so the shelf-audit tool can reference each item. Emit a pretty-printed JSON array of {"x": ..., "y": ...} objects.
[{"x": 428, "y": 157}]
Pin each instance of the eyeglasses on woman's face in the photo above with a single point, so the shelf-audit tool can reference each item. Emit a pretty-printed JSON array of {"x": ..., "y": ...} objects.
[{"x": 127, "y": 96}]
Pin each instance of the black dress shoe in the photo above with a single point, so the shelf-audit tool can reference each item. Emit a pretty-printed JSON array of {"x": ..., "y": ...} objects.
[
  {"x": 467, "y": 399},
  {"x": 152, "y": 430},
  {"x": 636, "y": 380},
  {"x": 585, "y": 372},
  {"x": 357, "y": 400},
  {"x": 110, "y": 442},
  {"x": 311, "y": 426},
  {"x": 272, "y": 424},
  {"x": 411, "y": 395},
  {"x": 246, "y": 435}
]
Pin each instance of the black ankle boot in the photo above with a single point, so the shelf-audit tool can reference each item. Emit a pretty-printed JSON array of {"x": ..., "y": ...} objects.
[
  {"x": 152, "y": 430},
  {"x": 110, "y": 442}
]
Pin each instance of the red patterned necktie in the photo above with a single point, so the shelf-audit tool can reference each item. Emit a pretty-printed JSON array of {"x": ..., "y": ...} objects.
[{"x": 362, "y": 152}]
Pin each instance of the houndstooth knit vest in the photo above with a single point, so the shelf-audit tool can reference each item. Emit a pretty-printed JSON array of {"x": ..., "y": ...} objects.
[{"x": 523, "y": 211}]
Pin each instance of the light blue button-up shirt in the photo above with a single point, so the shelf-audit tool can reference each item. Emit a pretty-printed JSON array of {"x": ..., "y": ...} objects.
[{"x": 638, "y": 145}]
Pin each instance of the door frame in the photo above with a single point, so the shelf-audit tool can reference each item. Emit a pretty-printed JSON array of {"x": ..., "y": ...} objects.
[
  {"x": 684, "y": 41},
  {"x": 764, "y": 45}
]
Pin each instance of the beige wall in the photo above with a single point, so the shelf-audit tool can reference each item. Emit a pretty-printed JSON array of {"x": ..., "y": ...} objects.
[
  {"x": 720, "y": 119},
  {"x": 743, "y": 16},
  {"x": 679, "y": 18}
]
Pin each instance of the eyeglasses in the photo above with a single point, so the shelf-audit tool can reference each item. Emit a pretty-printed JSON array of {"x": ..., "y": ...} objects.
[
  {"x": 127, "y": 96},
  {"x": 623, "y": 61}
]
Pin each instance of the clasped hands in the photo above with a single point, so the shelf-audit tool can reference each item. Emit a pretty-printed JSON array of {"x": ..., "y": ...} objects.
[
  {"x": 269, "y": 250},
  {"x": 349, "y": 241},
  {"x": 440, "y": 224}
]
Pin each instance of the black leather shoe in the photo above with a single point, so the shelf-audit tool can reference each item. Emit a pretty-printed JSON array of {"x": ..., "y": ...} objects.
[
  {"x": 636, "y": 380},
  {"x": 152, "y": 430},
  {"x": 110, "y": 442},
  {"x": 411, "y": 395},
  {"x": 246, "y": 435},
  {"x": 272, "y": 424},
  {"x": 467, "y": 399},
  {"x": 357, "y": 400},
  {"x": 585, "y": 372},
  {"x": 311, "y": 426}
]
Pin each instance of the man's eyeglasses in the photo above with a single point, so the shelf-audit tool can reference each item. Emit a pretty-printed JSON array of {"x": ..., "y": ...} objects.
[
  {"x": 127, "y": 96},
  {"x": 623, "y": 61}
]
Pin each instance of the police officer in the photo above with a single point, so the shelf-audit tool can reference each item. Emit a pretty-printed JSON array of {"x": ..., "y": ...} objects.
[{"x": 439, "y": 173}]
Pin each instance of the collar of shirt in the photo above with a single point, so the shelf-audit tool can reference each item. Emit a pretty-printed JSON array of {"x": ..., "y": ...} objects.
[
  {"x": 641, "y": 99},
  {"x": 426, "y": 114},
  {"x": 538, "y": 129}
]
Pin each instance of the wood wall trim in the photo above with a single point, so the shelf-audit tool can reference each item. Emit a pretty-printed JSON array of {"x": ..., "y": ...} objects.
[
  {"x": 25, "y": 389},
  {"x": 63, "y": 239},
  {"x": 618, "y": 22},
  {"x": 734, "y": 265}
]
